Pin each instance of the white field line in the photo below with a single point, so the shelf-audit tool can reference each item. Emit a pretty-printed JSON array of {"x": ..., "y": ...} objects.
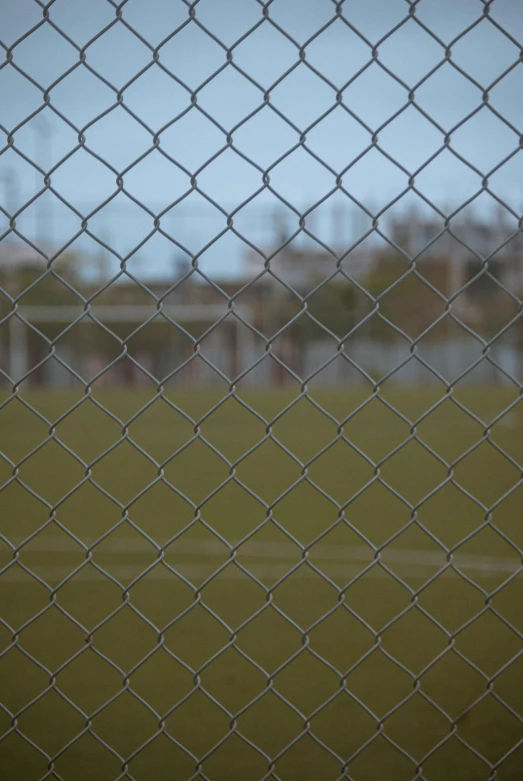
[
  {"x": 337, "y": 561},
  {"x": 511, "y": 421},
  {"x": 125, "y": 573}
]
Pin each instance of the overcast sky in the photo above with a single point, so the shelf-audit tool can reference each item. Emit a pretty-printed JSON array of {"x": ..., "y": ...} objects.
[{"x": 227, "y": 74}]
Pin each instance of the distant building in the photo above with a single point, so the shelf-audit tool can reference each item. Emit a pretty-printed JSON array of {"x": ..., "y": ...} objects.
[
  {"x": 465, "y": 245},
  {"x": 302, "y": 268}
]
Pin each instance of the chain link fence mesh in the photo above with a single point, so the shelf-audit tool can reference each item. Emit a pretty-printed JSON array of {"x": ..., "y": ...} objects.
[{"x": 261, "y": 369}]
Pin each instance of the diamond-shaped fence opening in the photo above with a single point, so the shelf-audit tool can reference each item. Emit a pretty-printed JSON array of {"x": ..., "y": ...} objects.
[{"x": 261, "y": 364}]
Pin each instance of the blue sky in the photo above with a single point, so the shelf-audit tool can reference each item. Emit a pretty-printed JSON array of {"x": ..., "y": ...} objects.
[{"x": 241, "y": 101}]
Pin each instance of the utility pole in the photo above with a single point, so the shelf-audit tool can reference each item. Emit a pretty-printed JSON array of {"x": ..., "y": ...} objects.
[
  {"x": 8, "y": 177},
  {"x": 17, "y": 348},
  {"x": 339, "y": 237},
  {"x": 44, "y": 227}
]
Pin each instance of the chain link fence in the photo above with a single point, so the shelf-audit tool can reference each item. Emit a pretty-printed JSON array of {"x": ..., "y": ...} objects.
[{"x": 261, "y": 361}]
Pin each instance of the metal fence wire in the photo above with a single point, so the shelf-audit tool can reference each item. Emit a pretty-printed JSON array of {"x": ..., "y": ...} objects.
[{"x": 261, "y": 360}]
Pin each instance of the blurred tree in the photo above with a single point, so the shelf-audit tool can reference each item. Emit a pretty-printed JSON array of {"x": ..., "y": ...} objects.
[
  {"x": 29, "y": 282},
  {"x": 35, "y": 284},
  {"x": 332, "y": 305},
  {"x": 412, "y": 299}
]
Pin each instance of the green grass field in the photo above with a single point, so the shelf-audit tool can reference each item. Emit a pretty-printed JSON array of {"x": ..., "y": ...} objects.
[{"x": 189, "y": 592}]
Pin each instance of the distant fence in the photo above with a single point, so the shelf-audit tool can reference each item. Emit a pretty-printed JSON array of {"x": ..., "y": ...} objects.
[
  {"x": 233, "y": 353},
  {"x": 429, "y": 364}
]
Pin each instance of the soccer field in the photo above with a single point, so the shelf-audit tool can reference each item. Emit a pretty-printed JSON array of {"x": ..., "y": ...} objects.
[{"x": 199, "y": 588}]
